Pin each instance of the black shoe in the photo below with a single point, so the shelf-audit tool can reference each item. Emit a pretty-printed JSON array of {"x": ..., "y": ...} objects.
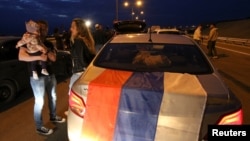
[
  {"x": 57, "y": 119},
  {"x": 44, "y": 131}
]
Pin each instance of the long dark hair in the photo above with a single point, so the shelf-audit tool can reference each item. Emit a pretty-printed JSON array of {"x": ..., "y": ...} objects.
[{"x": 85, "y": 34}]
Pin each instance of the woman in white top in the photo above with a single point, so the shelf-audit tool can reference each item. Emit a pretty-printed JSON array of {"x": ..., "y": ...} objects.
[{"x": 197, "y": 34}]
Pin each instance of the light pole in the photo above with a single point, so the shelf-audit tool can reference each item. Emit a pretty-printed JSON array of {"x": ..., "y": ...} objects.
[
  {"x": 116, "y": 7},
  {"x": 132, "y": 13}
]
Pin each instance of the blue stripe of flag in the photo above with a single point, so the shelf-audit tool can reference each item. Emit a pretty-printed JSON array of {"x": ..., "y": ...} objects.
[{"x": 140, "y": 103}]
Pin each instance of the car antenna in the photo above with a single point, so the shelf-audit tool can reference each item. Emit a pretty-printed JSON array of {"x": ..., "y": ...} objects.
[{"x": 150, "y": 40}]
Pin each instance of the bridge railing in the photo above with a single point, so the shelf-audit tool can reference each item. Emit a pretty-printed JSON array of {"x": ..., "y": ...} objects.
[{"x": 238, "y": 41}]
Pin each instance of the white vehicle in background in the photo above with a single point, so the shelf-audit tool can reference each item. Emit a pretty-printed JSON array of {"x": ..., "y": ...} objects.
[{"x": 167, "y": 31}]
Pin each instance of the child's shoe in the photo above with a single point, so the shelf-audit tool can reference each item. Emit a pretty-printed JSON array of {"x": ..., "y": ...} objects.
[
  {"x": 35, "y": 76},
  {"x": 45, "y": 72}
]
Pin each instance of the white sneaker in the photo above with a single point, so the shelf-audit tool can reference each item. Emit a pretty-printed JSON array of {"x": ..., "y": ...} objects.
[
  {"x": 45, "y": 72},
  {"x": 44, "y": 131},
  {"x": 35, "y": 76}
]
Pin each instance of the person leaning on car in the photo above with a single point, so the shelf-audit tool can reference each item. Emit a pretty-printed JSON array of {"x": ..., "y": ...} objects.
[
  {"x": 82, "y": 48},
  {"x": 45, "y": 83}
]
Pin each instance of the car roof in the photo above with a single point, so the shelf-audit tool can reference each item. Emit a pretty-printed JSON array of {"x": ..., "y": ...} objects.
[{"x": 155, "y": 38}]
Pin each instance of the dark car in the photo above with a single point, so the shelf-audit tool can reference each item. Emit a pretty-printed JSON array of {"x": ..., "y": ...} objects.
[
  {"x": 14, "y": 75},
  {"x": 143, "y": 87}
]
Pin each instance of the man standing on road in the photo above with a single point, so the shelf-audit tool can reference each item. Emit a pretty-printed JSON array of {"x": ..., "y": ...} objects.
[
  {"x": 45, "y": 83},
  {"x": 99, "y": 37},
  {"x": 212, "y": 37}
]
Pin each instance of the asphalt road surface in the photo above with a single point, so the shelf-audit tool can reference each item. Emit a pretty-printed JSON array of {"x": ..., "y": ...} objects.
[
  {"x": 17, "y": 120},
  {"x": 17, "y": 123}
]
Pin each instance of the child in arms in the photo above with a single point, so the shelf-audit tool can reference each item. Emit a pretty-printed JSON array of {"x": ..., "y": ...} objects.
[{"x": 34, "y": 46}]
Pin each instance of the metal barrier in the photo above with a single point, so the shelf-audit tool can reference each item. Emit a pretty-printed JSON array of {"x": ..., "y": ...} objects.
[{"x": 238, "y": 41}]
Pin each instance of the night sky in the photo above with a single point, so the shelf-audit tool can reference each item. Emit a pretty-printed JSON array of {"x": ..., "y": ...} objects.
[{"x": 59, "y": 13}]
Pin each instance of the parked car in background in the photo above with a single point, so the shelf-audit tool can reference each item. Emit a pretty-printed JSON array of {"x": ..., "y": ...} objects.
[
  {"x": 144, "y": 86},
  {"x": 14, "y": 75},
  {"x": 167, "y": 31}
]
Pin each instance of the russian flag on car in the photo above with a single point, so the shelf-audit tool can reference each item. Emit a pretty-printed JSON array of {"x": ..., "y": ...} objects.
[{"x": 143, "y": 106}]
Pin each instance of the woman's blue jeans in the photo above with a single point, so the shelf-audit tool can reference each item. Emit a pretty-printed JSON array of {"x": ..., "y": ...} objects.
[
  {"x": 73, "y": 78},
  {"x": 45, "y": 84}
]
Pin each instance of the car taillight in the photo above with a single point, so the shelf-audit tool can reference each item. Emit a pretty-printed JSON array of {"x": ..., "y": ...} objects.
[
  {"x": 76, "y": 104},
  {"x": 235, "y": 118}
]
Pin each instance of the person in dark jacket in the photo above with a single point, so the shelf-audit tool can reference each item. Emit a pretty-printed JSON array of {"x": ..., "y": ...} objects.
[
  {"x": 82, "y": 48},
  {"x": 59, "y": 39},
  {"x": 100, "y": 37}
]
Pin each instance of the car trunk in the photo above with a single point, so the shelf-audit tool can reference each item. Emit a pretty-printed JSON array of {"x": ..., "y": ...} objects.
[{"x": 142, "y": 106}]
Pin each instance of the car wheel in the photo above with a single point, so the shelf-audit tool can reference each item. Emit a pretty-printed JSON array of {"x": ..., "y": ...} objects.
[{"x": 7, "y": 92}]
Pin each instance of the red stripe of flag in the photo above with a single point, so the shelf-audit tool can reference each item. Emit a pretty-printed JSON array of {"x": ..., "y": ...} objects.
[{"x": 102, "y": 105}]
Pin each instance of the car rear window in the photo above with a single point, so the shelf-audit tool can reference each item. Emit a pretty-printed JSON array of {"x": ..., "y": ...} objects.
[{"x": 154, "y": 57}]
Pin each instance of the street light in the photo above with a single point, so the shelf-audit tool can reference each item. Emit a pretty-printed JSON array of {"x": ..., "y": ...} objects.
[
  {"x": 137, "y": 4},
  {"x": 88, "y": 23}
]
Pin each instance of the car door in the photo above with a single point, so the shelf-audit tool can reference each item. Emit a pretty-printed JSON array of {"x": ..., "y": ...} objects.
[{"x": 14, "y": 74}]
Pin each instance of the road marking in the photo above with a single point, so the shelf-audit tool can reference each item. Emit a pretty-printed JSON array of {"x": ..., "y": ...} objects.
[
  {"x": 231, "y": 50},
  {"x": 234, "y": 51}
]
